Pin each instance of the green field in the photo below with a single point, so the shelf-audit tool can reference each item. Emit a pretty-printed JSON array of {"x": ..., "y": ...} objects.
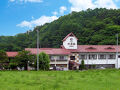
[{"x": 60, "y": 80}]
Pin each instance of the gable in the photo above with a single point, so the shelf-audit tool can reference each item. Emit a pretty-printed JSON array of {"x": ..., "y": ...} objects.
[{"x": 70, "y": 35}]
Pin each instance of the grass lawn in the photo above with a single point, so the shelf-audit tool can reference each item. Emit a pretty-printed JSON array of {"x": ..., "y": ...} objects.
[{"x": 60, "y": 80}]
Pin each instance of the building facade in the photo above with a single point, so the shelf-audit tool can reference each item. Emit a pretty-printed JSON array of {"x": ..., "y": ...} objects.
[{"x": 70, "y": 55}]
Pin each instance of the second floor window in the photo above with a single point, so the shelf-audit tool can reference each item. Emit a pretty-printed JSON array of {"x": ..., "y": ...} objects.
[
  {"x": 52, "y": 58},
  {"x": 62, "y": 58},
  {"x": 82, "y": 56},
  {"x": 102, "y": 56},
  {"x": 111, "y": 56},
  {"x": 92, "y": 56}
]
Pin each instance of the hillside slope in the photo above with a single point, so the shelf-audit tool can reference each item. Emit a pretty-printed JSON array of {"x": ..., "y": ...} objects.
[{"x": 97, "y": 27}]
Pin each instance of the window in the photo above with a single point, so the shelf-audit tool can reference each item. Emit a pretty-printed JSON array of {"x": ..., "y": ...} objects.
[
  {"x": 92, "y": 56},
  {"x": 111, "y": 56},
  {"x": 109, "y": 48},
  {"x": 82, "y": 56},
  {"x": 119, "y": 56},
  {"x": 73, "y": 43},
  {"x": 102, "y": 56},
  {"x": 65, "y": 57},
  {"x": 62, "y": 58},
  {"x": 72, "y": 57},
  {"x": 52, "y": 58},
  {"x": 71, "y": 39},
  {"x": 68, "y": 43}
]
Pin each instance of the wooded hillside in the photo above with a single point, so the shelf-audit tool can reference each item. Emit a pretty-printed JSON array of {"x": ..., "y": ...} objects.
[{"x": 97, "y": 27}]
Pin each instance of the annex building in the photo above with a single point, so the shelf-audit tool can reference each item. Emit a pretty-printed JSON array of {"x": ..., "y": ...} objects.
[{"x": 70, "y": 54}]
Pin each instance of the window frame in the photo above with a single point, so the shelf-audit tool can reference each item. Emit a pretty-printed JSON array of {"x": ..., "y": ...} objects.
[
  {"x": 85, "y": 56},
  {"x": 90, "y": 57},
  {"x": 114, "y": 56},
  {"x": 99, "y": 56}
]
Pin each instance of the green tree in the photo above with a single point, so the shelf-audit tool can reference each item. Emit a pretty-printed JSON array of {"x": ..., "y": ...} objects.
[
  {"x": 82, "y": 66},
  {"x": 3, "y": 57},
  {"x": 43, "y": 61},
  {"x": 24, "y": 58},
  {"x": 12, "y": 65}
]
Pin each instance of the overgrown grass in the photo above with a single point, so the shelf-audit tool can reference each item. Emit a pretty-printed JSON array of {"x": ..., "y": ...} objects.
[{"x": 60, "y": 80}]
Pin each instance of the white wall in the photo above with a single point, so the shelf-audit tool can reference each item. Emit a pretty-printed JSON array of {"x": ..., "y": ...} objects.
[
  {"x": 67, "y": 46},
  {"x": 97, "y": 60},
  {"x": 118, "y": 61}
]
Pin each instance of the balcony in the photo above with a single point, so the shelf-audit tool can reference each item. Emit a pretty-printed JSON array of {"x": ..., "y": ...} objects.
[{"x": 59, "y": 60}]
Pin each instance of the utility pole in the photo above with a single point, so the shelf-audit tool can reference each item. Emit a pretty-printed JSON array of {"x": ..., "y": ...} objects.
[
  {"x": 37, "y": 50},
  {"x": 117, "y": 51}
]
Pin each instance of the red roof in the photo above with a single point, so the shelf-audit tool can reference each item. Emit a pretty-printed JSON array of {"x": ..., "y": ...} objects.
[
  {"x": 80, "y": 48},
  {"x": 50, "y": 51},
  {"x": 70, "y": 34},
  {"x": 94, "y": 48},
  {"x": 11, "y": 54}
]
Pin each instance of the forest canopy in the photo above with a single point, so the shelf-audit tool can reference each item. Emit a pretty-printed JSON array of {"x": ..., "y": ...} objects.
[{"x": 91, "y": 27}]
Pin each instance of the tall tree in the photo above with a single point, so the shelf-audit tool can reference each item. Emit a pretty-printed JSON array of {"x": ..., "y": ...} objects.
[
  {"x": 3, "y": 57},
  {"x": 24, "y": 58},
  {"x": 43, "y": 61}
]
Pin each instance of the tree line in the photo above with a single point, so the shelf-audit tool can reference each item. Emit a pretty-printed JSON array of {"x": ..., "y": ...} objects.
[{"x": 23, "y": 61}]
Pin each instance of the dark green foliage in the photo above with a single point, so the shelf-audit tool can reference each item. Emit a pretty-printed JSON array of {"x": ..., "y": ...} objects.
[
  {"x": 94, "y": 66},
  {"x": 24, "y": 58},
  {"x": 6, "y": 67},
  {"x": 97, "y": 27},
  {"x": 43, "y": 61},
  {"x": 12, "y": 66},
  {"x": 3, "y": 57},
  {"x": 82, "y": 66}
]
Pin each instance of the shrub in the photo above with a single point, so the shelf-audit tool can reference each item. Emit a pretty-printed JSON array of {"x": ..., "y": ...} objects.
[
  {"x": 82, "y": 66},
  {"x": 13, "y": 66},
  {"x": 5, "y": 66},
  {"x": 93, "y": 66}
]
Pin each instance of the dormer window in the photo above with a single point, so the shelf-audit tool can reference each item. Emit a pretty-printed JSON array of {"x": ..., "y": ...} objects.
[
  {"x": 110, "y": 48},
  {"x": 90, "y": 48}
]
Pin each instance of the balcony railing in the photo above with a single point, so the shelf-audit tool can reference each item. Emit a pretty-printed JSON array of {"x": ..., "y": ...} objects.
[{"x": 58, "y": 60}]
